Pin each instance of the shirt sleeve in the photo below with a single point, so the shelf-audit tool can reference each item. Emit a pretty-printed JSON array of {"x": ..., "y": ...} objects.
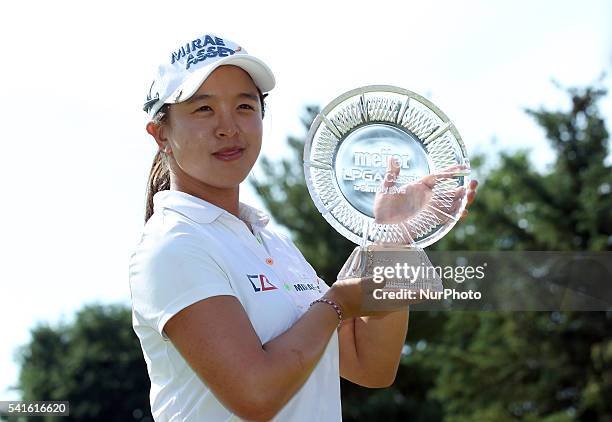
[{"x": 171, "y": 277}]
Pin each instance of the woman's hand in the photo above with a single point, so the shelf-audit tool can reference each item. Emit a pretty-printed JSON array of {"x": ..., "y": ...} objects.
[
  {"x": 395, "y": 204},
  {"x": 348, "y": 294},
  {"x": 354, "y": 296}
]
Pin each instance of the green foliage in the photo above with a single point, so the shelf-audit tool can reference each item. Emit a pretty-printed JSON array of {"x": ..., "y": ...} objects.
[
  {"x": 524, "y": 365},
  {"x": 567, "y": 208},
  {"x": 536, "y": 366},
  {"x": 95, "y": 363}
]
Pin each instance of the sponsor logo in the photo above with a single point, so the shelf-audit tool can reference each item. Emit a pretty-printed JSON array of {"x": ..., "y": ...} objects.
[
  {"x": 302, "y": 287},
  {"x": 201, "y": 49},
  {"x": 260, "y": 283},
  {"x": 380, "y": 159}
]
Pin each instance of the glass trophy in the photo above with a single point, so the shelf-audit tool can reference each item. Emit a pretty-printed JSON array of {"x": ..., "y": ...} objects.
[{"x": 389, "y": 171}]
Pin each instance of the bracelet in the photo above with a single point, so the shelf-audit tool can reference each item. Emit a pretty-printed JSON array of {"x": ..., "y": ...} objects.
[{"x": 333, "y": 304}]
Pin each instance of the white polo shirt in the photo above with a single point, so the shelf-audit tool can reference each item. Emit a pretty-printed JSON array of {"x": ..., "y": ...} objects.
[{"x": 191, "y": 250}]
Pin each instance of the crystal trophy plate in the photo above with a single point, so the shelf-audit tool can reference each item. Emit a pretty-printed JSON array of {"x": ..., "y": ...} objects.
[
  {"x": 346, "y": 161},
  {"x": 385, "y": 166}
]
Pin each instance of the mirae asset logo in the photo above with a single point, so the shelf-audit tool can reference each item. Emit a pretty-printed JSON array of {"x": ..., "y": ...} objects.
[{"x": 302, "y": 287}]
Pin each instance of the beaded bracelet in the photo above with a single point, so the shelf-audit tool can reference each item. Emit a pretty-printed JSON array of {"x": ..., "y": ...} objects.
[{"x": 334, "y": 305}]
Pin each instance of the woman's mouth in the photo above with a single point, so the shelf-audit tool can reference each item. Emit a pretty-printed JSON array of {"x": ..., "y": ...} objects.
[{"x": 229, "y": 154}]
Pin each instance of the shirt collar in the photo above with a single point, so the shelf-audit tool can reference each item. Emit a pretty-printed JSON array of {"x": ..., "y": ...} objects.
[{"x": 202, "y": 211}]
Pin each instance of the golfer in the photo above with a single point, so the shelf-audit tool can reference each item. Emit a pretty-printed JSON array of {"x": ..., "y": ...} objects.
[{"x": 233, "y": 322}]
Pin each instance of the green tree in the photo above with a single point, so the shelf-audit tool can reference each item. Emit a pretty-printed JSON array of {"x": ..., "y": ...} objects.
[
  {"x": 566, "y": 208},
  {"x": 536, "y": 366},
  {"x": 95, "y": 363}
]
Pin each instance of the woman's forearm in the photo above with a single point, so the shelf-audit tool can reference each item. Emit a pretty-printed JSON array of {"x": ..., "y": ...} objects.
[
  {"x": 378, "y": 344},
  {"x": 291, "y": 357}
]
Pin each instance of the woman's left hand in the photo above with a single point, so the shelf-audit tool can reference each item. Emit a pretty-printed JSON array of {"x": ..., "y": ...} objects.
[{"x": 396, "y": 204}]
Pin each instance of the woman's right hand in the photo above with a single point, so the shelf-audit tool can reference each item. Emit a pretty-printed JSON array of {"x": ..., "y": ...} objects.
[
  {"x": 347, "y": 294},
  {"x": 350, "y": 293}
]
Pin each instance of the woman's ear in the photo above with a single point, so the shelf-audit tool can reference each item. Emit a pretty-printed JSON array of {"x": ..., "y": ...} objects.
[{"x": 156, "y": 130}]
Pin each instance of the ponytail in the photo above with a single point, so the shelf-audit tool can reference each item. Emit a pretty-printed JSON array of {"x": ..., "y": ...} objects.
[{"x": 159, "y": 179}]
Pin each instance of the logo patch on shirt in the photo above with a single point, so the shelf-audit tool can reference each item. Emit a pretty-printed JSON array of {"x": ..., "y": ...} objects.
[
  {"x": 301, "y": 287},
  {"x": 260, "y": 282}
]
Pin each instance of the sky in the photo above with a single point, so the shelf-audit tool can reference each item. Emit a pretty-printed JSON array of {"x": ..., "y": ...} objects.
[{"x": 75, "y": 74}]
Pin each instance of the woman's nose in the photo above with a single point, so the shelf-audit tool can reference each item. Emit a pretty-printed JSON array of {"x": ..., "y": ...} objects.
[{"x": 226, "y": 126}]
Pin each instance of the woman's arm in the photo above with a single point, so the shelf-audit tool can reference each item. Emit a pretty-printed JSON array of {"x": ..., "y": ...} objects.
[
  {"x": 370, "y": 348},
  {"x": 254, "y": 381}
]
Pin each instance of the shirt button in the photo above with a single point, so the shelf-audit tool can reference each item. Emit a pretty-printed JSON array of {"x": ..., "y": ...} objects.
[{"x": 269, "y": 261}]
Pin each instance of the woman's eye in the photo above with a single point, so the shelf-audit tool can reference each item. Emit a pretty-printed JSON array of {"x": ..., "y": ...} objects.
[
  {"x": 204, "y": 108},
  {"x": 247, "y": 106}
]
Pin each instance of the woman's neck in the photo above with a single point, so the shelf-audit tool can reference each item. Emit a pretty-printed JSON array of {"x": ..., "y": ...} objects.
[{"x": 225, "y": 198}]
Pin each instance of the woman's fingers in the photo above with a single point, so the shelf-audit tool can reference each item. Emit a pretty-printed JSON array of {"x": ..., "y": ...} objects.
[
  {"x": 455, "y": 168},
  {"x": 448, "y": 173},
  {"x": 470, "y": 197},
  {"x": 471, "y": 192},
  {"x": 392, "y": 172}
]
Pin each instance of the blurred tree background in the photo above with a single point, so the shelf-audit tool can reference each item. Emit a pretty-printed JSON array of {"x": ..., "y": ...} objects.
[
  {"x": 456, "y": 366},
  {"x": 95, "y": 363}
]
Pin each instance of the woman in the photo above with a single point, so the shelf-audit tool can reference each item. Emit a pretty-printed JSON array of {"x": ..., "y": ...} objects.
[{"x": 233, "y": 322}]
